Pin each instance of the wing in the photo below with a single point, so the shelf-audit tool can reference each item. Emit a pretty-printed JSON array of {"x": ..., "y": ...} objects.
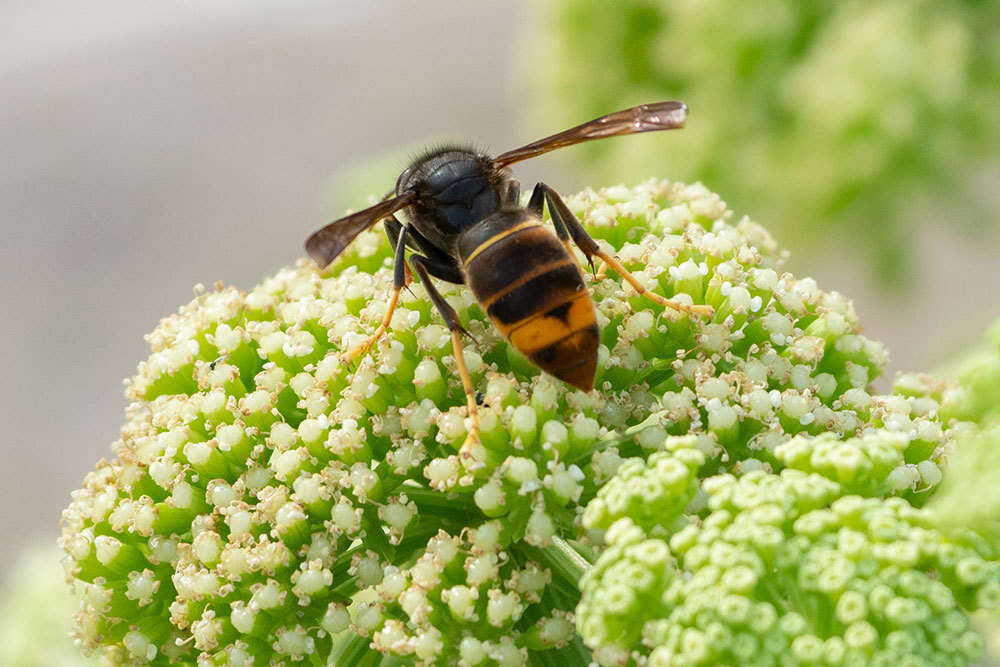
[
  {"x": 643, "y": 118},
  {"x": 324, "y": 246}
]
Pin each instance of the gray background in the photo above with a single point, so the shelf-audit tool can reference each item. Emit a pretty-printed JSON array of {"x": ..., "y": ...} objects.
[{"x": 151, "y": 146}]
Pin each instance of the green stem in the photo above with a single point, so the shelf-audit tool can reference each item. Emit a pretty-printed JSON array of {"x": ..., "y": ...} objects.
[
  {"x": 441, "y": 504},
  {"x": 573, "y": 654},
  {"x": 585, "y": 551},
  {"x": 561, "y": 558},
  {"x": 350, "y": 649}
]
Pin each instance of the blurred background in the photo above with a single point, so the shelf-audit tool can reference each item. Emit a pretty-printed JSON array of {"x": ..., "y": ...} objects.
[{"x": 149, "y": 146}]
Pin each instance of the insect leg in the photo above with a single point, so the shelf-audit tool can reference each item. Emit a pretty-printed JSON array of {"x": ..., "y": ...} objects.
[
  {"x": 436, "y": 257},
  {"x": 513, "y": 195},
  {"x": 422, "y": 266},
  {"x": 447, "y": 271},
  {"x": 393, "y": 228},
  {"x": 564, "y": 218},
  {"x": 400, "y": 279},
  {"x": 536, "y": 205}
]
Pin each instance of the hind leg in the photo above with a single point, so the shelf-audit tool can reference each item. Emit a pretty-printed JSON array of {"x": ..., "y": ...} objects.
[{"x": 568, "y": 227}]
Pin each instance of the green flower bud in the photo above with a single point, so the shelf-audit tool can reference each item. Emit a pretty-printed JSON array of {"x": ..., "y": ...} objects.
[{"x": 858, "y": 577}]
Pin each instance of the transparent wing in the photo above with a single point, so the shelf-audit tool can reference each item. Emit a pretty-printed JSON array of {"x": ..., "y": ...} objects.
[
  {"x": 643, "y": 118},
  {"x": 324, "y": 245}
]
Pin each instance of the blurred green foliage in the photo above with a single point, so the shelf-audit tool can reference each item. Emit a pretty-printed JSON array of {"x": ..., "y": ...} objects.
[
  {"x": 978, "y": 375},
  {"x": 976, "y": 466},
  {"x": 36, "y": 614},
  {"x": 829, "y": 119}
]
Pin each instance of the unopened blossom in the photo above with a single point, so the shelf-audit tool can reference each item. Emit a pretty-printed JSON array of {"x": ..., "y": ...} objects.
[{"x": 794, "y": 567}]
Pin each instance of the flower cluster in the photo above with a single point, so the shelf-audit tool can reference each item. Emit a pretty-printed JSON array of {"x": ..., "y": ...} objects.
[
  {"x": 825, "y": 117},
  {"x": 443, "y": 603},
  {"x": 795, "y": 567},
  {"x": 268, "y": 504}
]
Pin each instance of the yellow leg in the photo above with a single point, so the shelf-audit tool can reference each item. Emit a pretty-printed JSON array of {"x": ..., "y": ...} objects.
[
  {"x": 611, "y": 262},
  {"x": 569, "y": 249},
  {"x": 567, "y": 226},
  {"x": 472, "y": 438},
  {"x": 359, "y": 350}
]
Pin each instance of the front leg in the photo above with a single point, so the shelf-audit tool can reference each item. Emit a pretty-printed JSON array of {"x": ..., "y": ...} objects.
[
  {"x": 400, "y": 278},
  {"x": 567, "y": 227}
]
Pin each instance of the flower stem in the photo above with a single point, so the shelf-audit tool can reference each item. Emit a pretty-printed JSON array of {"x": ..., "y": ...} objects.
[
  {"x": 560, "y": 557},
  {"x": 440, "y": 504},
  {"x": 573, "y": 653},
  {"x": 352, "y": 649}
]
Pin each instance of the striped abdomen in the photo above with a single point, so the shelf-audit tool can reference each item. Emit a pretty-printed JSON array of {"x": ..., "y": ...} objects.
[{"x": 530, "y": 286}]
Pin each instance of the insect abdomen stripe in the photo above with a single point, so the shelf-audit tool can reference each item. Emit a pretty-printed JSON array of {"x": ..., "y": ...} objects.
[
  {"x": 500, "y": 236},
  {"x": 572, "y": 358},
  {"x": 549, "y": 327},
  {"x": 526, "y": 278},
  {"x": 498, "y": 261},
  {"x": 539, "y": 295}
]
